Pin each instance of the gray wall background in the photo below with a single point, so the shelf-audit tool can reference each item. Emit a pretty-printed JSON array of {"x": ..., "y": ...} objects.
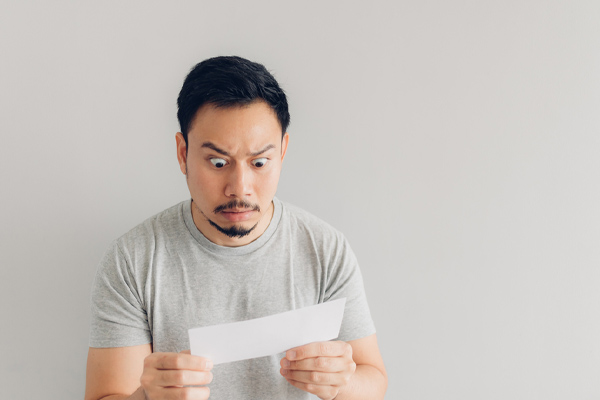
[{"x": 454, "y": 142}]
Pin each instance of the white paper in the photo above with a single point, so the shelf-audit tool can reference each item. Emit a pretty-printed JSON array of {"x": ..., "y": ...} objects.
[{"x": 268, "y": 335}]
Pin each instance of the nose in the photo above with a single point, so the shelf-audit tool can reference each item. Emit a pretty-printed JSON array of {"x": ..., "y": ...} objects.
[{"x": 239, "y": 182}]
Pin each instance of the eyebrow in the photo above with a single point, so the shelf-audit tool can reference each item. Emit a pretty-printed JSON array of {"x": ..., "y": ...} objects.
[
  {"x": 266, "y": 148},
  {"x": 212, "y": 146}
]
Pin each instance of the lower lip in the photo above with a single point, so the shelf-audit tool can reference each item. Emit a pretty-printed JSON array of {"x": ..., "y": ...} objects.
[{"x": 237, "y": 216}]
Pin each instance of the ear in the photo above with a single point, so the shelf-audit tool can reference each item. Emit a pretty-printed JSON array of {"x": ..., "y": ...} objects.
[
  {"x": 181, "y": 152},
  {"x": 284, "y": 145}
]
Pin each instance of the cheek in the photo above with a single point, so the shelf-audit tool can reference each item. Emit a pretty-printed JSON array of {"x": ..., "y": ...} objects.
[
  {"x": 201, "y": 179},
  {"x": 268, "y": 182}
]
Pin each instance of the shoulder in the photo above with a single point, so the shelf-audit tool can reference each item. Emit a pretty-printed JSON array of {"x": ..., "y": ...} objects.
[
  {"x": 303, "y": 218},
  {"x": 164, "y": 224},
  {"x": 130, "y": 258},
  {"x": 302, "y": 222}
]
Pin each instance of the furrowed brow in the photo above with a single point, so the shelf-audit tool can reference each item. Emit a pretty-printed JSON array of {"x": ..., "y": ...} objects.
[
  {"x": 267, "y": 147},
  {"x": 212, "y": 146}
]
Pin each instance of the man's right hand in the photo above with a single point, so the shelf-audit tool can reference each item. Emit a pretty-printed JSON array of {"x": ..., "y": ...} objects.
[{"x": 174, "y": 375}]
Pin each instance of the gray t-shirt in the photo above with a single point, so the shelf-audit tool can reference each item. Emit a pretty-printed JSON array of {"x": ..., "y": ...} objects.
[{"x": 164, "y": 277}]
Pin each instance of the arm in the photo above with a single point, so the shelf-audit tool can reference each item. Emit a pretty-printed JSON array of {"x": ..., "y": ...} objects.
[
  {"x": 338, "y": 370},
  {"x": 117, "y": 373}
]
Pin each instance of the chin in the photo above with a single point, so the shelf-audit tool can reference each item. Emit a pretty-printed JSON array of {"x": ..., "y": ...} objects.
[{"x": 234, "y": 231}]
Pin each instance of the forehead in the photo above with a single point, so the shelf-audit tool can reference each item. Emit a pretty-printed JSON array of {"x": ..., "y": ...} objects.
[{"x": 255, "y": 123}]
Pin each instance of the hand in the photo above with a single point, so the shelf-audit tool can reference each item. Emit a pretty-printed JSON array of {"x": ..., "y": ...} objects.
[
  {"x": 321, "y": 368},
  {"x": 167, "y": 376}
]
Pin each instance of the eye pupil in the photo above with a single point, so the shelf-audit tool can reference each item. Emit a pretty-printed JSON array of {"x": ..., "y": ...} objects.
[
  {"x": 259, "y": 163},
  {"x": 217, "y": 162}
]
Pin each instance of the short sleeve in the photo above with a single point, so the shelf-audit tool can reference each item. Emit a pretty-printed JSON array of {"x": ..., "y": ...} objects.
[
  {"x": 118, "y": 316},
  {"x": 345, "y": 280}
]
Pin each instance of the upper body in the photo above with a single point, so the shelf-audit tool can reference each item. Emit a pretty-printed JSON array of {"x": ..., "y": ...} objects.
[
  {"x": 164, "y": 277},
  {"x": 232, "y": 252}
]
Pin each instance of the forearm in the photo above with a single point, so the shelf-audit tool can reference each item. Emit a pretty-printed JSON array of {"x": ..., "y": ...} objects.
[
  {"x": 367, "y": 382},
  {"x": 137, "y": 395}
]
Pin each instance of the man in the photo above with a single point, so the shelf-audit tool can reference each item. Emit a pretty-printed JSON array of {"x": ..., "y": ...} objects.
[{"x": 232, "y": 252}]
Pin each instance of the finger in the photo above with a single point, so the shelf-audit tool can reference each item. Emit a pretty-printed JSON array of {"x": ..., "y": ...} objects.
[
  {"x": 322, "y": 391},
  {"x": 166, "y": 361},
  {"x": 170, "y": 378},
  {"x": 322, "y": 364},
  {"x": 185, "y": 352},
  {"x": 319, "y": 349},
  {"x": 316, "y": 378}
]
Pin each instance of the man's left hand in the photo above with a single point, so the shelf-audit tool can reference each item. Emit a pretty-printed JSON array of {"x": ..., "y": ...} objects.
[{"x": 321, "y": 368}]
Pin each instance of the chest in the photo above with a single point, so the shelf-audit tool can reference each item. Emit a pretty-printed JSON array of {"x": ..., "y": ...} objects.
[{"x": 204, "y": 291}]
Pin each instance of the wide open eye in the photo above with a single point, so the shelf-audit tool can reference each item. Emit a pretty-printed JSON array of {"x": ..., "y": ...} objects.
[
  {"x": 259, "y": 162},
  {"x": 218, "y": 162}
]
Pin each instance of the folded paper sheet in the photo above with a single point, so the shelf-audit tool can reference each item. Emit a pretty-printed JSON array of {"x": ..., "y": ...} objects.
[{"x": 268, "y": 335}]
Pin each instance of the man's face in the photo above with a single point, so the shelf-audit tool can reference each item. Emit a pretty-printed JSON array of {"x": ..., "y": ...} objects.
[{"x": 232, "y": 165}]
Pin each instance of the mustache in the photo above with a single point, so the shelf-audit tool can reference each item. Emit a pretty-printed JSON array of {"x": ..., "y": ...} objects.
[{"x": 237, "y": 203}]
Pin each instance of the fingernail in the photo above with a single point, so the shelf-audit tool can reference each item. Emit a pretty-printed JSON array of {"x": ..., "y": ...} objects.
[
  {"x": 209, "y": 364},
  {"x": 291, "y": 354},
  {"x": 286, "y": 362},
  {"x": 284, "y": 372}
]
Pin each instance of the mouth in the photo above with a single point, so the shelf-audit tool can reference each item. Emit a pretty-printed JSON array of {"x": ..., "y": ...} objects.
[
  {"x": 237, "y": 215},
  {"x": 237, "y": 210}
]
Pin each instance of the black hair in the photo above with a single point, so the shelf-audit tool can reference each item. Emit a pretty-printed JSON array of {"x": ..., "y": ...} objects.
[{"x": 228, "y": 82}]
